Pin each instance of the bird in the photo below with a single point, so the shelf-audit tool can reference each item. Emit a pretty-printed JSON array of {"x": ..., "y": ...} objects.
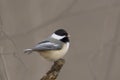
[{"x": 54, "y": 47}]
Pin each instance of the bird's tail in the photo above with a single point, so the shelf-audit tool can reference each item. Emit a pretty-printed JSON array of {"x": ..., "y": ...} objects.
[{"x": 28, "y": 51}]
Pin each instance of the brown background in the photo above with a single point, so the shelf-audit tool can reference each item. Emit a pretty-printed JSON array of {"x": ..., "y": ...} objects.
[{"x": 94, "y": 26}]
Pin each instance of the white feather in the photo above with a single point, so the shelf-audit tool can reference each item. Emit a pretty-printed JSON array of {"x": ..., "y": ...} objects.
[{"x": 57, "y": 36}]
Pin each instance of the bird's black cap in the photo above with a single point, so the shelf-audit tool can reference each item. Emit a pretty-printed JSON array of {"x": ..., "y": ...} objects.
[{"x": 61, "y": 32}]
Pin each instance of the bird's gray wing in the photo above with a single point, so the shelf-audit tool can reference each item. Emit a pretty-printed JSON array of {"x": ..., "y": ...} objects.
[{"x": 47, "y": 45}]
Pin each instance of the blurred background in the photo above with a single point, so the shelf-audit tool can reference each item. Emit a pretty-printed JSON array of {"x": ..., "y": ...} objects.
[{"x": 94, "y": 26}]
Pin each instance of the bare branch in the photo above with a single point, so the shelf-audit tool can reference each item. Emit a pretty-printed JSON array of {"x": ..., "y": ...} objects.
[{"x": 54, "y": 71}]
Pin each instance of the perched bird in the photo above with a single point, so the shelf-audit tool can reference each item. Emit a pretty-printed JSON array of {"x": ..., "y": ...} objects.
[{"x": 54, "y": 47}]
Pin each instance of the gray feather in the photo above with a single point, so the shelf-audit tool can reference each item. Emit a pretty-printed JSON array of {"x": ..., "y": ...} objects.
[
  {"x": 47, "y": 45},
  {"x": 28, "y": 51}
]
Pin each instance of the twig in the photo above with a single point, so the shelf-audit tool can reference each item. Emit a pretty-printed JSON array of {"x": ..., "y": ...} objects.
[{"x": 54, "y": 71}]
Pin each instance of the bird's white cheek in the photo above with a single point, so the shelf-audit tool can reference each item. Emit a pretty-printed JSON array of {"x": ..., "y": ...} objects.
[{"x": 57, "y": 36}]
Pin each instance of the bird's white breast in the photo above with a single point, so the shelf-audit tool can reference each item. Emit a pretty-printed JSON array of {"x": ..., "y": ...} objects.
[{"x": 55, "y": 54}]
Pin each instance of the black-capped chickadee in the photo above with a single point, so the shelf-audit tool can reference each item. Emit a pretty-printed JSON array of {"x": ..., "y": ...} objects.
[{"x": 53, "y": 48}]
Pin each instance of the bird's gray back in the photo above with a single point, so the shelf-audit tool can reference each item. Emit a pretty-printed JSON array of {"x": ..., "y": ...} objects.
[{"x": 48, "y": 44}]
